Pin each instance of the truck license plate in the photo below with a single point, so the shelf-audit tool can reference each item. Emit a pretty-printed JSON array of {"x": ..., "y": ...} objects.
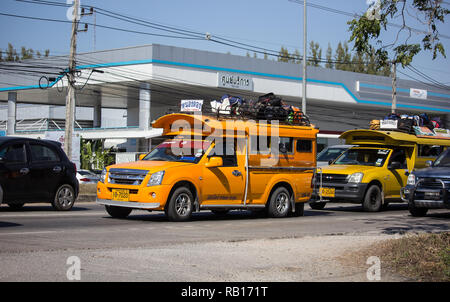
[
  {"x": 432, "y": 195},
  {"x": 327, "y": 192},
  {"x": 120, "y": 195}
]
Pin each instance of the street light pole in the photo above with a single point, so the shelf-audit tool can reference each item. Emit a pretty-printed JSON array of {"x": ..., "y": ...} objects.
[{"x": 304, "y": 59}]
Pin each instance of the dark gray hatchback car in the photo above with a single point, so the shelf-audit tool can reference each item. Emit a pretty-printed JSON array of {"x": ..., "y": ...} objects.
[
  {"x": 429, "y": 188},
  {"x": 33, "y": 170}
]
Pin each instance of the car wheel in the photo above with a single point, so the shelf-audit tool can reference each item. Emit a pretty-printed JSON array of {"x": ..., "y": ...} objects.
[
  {"x": 180, "y": 205},
  {"x": 299, "y": 209},
  {"x": 279, "y": 203},
  {"x": 372, "y": 199},
  {"x": 64, "y": 198},
  {"x": 118, "y": 212},
  {"x": 16, "y": 206},
  {"x": 317, "y": 205},
  {"x": 417, "y": 212}
]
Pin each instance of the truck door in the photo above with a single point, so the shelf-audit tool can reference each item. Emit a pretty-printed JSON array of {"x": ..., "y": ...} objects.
[
  {"x": 224, "y": 185},
  {"x": 397, "y": 173}
]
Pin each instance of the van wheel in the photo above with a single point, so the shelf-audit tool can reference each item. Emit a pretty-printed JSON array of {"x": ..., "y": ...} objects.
[
  {"x": 279, "y": 203},
  {"x": 118, "y": 212},
  {"x": 299, "y": 210},
  {"x": 16, "y": 206},
  {"x": 372, "y": 199},
  {"x": 317, "y": 205},
  {"x": 64, "y": 198},
  {"x": 417, "y": 212},
  {"x": 180, "y": 205}
]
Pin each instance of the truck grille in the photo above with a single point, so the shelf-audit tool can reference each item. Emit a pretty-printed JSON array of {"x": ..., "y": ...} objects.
[
  {"x": 433, "y": 183},
  {"x": 127, "y": 176},
  {"x": 332, "y": 178}
]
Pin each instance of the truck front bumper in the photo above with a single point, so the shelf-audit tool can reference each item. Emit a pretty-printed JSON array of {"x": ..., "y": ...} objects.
[
  {"x": 353, "y": 193},
  {"x": 431, "y": 198}
]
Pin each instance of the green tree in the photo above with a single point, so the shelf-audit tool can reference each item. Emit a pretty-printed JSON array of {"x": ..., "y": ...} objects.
[
  {"x": 283, "y": 55},
  {"x": 329, "y": 57},
  {"x": 297, "y": 57},
  {"x": 315, "y": 53},
  {"x": 366, "y": 30}
]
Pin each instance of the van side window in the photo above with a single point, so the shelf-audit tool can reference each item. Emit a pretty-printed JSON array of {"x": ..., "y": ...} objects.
[
  {"x": 304, "y": 146},
  {"x": 430, "y": 150},
  {"x": 259, "y": 144},
  {"x": 285, "y": 144},
  {"x": 13, "y": 154},
  {"x": 227, "y": 153},
  {"x": 42, "y": 153}
]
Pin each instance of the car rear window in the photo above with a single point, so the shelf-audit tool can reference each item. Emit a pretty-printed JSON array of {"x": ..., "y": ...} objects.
[{"x": 41, "y": 153}]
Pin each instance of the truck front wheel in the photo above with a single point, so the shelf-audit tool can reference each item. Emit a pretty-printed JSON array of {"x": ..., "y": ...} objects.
[
  {"x": 417, "y": 212},
  {"x": 372, "y": 199},
  {"x": 118, "y": 212},
  {"x": 180, "y": 205}
]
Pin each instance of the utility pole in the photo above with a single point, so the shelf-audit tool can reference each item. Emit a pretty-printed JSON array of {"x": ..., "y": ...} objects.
[
  {"x": 394, "y": 87},
  {"x": 70, "y": 99},
  {"x": 304, "y": 60}
]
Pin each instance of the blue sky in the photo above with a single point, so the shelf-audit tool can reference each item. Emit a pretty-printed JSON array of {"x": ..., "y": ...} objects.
[{"x": 264, "y": 23}]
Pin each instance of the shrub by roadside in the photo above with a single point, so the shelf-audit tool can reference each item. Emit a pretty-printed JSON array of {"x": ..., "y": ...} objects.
[{"x": 424, "y": 257}]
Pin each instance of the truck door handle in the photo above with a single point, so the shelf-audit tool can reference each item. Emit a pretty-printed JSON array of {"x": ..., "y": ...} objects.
[
  {"x": 57, "y": 169},
  {"x": 24, "y": 171},
  {"x": 236, "y": 173}
]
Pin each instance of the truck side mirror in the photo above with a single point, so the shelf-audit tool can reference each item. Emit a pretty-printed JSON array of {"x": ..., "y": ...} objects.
[
  {"x": 395, "y": 165},
  {"x": 330, "y": 161},
  {"x": 428, "y": 163},
  {"x": 214, "y": 162}
]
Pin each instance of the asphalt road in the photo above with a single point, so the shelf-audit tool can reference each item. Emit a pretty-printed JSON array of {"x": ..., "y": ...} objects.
[{"x": 38, "y": 229}]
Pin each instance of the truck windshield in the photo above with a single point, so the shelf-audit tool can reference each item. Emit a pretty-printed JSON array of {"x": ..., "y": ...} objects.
[
  {"x": 179, "y": 150},
  {"x": 330, "y": 154},
  {"x": 443, "y": 160},
  {"x": 364, "y": 157}
]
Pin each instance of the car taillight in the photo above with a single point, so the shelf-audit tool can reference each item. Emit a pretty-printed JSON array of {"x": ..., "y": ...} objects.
[
  {"x": 85, "y": 179},
  {"x": 74, "y": 167}
]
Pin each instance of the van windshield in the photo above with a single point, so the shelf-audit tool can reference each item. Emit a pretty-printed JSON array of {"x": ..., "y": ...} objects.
[
  {"x": 179, "y": 150},
  {"x": 443, "y": 160},
  {"x": 363, "y": 157}
]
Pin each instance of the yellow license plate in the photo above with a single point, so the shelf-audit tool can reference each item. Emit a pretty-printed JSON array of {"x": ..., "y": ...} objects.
[
  {"x": 120, "y": 195},
  {"x": 327, "y": 192}
]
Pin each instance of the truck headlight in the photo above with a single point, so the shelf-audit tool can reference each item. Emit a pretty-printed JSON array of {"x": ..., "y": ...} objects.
[
  {"x": 411, "y": 181},
  {"x": 356, "y": 177},
  {"x": 155, "y": 179},
  {"x": 103, "y": 176}
]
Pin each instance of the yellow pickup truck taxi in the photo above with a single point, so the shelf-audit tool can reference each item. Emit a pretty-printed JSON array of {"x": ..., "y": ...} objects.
[
  {"x": 373, "y": 173},
  {"x": 216, "y": 166}
]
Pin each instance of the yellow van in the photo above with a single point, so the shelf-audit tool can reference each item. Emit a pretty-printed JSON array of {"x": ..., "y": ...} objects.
[
  {"x": 216, "y": 164},
  {"x": 373, "y": 173}
]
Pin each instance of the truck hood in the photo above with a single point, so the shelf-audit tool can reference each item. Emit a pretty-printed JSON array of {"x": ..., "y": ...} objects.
[
  {"x": 434, "y": 172},
  {"x": 152, "y": 166},
  {"x": 346, "y": 169}
]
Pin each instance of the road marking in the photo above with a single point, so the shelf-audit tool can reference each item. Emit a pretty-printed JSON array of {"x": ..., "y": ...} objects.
[
  {"x": 29, "y": 233},
  {"x": 47, "y": 215}
]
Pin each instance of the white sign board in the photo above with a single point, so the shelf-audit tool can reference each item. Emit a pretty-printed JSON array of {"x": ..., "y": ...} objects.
[
  {"x": 388, "y": 124},
  {"x": 59, "y": 136},
  {"x": 235, "y": 81},
  {"x": 191, "y": 105},
  {"x": 418, "y": 93}
]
